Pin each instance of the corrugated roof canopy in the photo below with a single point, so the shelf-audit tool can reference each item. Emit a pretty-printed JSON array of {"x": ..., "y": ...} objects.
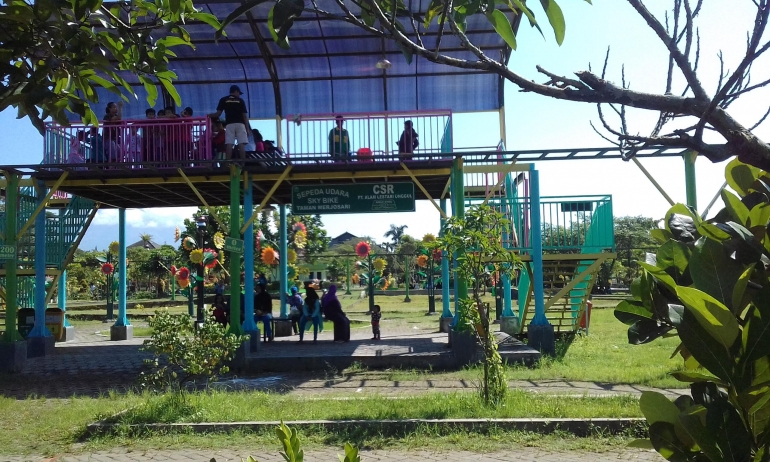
[{"x": 330, "y": 67}]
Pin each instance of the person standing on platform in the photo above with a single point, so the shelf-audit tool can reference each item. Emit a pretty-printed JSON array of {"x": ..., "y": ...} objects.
[
  {"x": 339, "y": 142},
  {"x": 263, "y": 307},
  {"x": 376, "y": 316},
  {"x": 408, "y": 142},
  {"x": 236, "y": 121},
  {"x": 311, "y": 312}
]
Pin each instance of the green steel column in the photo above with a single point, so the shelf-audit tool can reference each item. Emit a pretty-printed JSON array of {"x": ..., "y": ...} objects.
[
  {"x": 11, "y": 283},
  {"x": 190, "y": 301},
  {"x": 406, "y": 278},
  {"x": 235, "y": 258},
  {"x": 458, "y": 197},
  {"x": 446, "y": 312},
  {"x": 689, "y": 177},
  {"x": 347, "y": 269},
  {"x": 371, "y": 283}
]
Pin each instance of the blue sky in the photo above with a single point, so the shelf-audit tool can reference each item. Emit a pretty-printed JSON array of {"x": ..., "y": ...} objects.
[{"x": 532, "y": 121}]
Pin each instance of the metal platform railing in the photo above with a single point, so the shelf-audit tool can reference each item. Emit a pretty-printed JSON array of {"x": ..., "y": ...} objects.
[{"x": 310, "y": 136}]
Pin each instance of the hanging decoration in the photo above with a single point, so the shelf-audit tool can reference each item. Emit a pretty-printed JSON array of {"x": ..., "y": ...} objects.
[
  {"x": 363, "y": 249},
  {"x": 269, "y": 256},
  {"x": 177, "y": 234},
  {"x": 218, "y": 239},
  {"x": 291, "y": 256},
  {"x": 196, "y": 256},
  {"x": 422, "y": 261},
  {"x": 114, "y": 247},
  {"x": 188, "y": 243},
  {"x": 300, "y": 239},
  {"x": 107, "y": 269}
]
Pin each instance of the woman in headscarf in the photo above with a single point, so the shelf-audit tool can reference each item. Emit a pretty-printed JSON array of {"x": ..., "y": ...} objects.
[
  {"x": 333, "y": 311},
  {"x": 311, "y": 312}
]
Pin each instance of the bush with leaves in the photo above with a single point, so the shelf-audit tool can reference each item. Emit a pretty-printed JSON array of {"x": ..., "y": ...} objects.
[
  {"x": 709, "y": 284},
  {"x": 477, "y": 240},
  {"x": 184, "y": 353}
]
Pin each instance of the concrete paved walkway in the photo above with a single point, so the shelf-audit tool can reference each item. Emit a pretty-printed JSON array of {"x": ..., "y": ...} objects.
[{"x": 330, "y": 455}]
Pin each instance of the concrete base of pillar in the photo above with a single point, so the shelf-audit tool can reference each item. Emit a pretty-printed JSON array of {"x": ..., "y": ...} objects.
[
  {"x": 254, "y": 340},
  {"x": 40, "y": 346},
  {"x": 13, "y": 356},
  {"x": 509, "y": 325},
  {"x": 444, "y": 324},
  {"x": 240, "y": 359},
  {"x": 68, "y": 334},
  {"x": 118, "y": 333},
  {"x": 542, "y": 339},
  {"x": 282, "y": 328}
]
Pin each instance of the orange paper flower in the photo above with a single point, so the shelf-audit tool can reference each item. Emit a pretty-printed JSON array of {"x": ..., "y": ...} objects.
[{"x": 269, "y": 256}]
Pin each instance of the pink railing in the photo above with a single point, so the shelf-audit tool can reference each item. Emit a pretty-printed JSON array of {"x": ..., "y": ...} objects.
[
  {"x": 371, "y": 136},
  {"x": 135, "y": 142}
]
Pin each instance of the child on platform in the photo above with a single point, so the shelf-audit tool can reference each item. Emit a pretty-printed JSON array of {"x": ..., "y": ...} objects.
[{"x": 376, "y": 315}]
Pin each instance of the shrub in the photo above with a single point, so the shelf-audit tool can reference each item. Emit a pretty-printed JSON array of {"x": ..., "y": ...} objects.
[
  {"x": 143, "y": 295},
  {"x": 184, "y": 353}
]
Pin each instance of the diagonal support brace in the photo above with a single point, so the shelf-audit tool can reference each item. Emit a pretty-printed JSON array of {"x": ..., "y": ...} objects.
[
  {"x": 424, "y": 191},
  {"x": 267, "y": 198},
  {"x": 42, "y": 205}
]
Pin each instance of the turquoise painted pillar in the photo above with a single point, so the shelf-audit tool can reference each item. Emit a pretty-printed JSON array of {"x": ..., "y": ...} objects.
[
  {"x": 122, "y": 318},
  {"x": 282, "y": 262},
  {"x": 537, "y": 249},
  {"x": 62, "y": 297},
  {"x": 11, "y": 281},
  {"x": 248, "y": 259},
  {"x": 235, "y": 258},
  {"x": 39, "y": 329},
  {"x": 689, "y": 176},
  {"x": 446, "y": 312}
]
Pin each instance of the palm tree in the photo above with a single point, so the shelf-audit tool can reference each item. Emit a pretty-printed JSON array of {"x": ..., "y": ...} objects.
[
  {"x": 147, "y": 239},
  {"x": 396, "y": 234}
]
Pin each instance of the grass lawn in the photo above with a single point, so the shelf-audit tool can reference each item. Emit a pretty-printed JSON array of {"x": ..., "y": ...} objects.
[{"x": 23, "y": 431}]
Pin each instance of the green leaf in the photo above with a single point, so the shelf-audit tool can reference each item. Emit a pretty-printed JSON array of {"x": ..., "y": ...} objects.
[
  {"x": 756, "y": 331},
  {"x": 657, "y": 408},
  {"x": 661, "y": 235},
  {"x": 503, "y": 27},
  {"x": 150, "y": 88},
  {"x": 171, "y": 90},
  {"x": 660, "y": 275},
  {"x": 528, "y": 13},
  {"x": 714, "y": 272},
  {"x": 674, "y": 256},
  {"x": 629, "y": 313},
  {"x": 645, "y": 331},
  {"x": 759, "y": 215},
  {"x": 640, "y": 444},
  {"x": 737, "y": 209},
  {"x": 695, "y": 377},
  {"x": 664, "y": 439},
  {"x": 740, "y": 176},
  {"x": 713, "y": 232},
  {"x": 692, "y": 423},
  {"x": 556, "y": 18},
  {"x": 238, "y": 12},
  {"x": 711, "y": 314},
  {"x": 740, "y": 289}
]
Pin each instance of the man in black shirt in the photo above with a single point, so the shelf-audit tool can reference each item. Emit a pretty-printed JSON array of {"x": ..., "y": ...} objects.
[
  {"x": 263, "y": 307},
  {"x": 236, "y": 121}
]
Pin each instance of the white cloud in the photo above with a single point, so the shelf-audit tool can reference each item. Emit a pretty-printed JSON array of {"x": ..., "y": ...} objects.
[{"x": 146, "y": 218}]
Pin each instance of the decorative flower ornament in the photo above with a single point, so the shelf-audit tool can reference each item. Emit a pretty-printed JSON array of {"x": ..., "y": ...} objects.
[
  {"x": 363, "y": 249},
  {"x": 182, "y": 283},
  {"x": 380, "y": 264},
  {"x": 422, "y": 261},
  {"x": 210, "y": 258},
  {"x": 300, "y": 239},
  {"x": 196, "y": 256},
  {"x": 173, "y": 270},
  {"x": 188, "y": 243},
  {"x": 354, "y": 279},
  {"x": 299, "y": 226},
  {"x": 114, "y": 247},
  {"x": 269, "y": 256},
  {"x": 218, "y": 239},
  {"x": 183, "y": 273},
  {"x": 107, "y": 268},
  {"x": 436, "y": 255},
  {"x": 291, "y": 271},
  {"x": 291, "y": 256},
  {"x": 429, "y": 238},
  {"x": 177, "y": 234}
]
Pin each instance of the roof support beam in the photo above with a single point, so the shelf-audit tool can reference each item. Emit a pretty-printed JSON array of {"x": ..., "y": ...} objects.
[
  {"x": 42, "y": 205},
  {"x": 197, "y": 193},
  {"x": 269, "y": 63},
  {"x": 424, "y": 191},
  {"x": 652, "y": 180}
]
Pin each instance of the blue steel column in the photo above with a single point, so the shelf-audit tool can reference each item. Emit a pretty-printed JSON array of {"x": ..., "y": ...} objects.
[
  {"x": 248, "y": 259},
  {"x": 62, "y": 297},
  {"x": 282, "y": 262},
  {"x": 122, "y": 318},
  {"x": 446, "y": 312},
  {"x": 40, "y": 330},
  {"x": 537, "y": 249},
  {"x": 507, "y": 204}
]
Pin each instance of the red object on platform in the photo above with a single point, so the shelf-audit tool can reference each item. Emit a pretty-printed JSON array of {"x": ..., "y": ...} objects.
[{"x": 365, "y": 155}]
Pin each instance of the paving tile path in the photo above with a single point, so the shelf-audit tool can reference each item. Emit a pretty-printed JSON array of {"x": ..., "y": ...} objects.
[{"x": 330, "y": 455}]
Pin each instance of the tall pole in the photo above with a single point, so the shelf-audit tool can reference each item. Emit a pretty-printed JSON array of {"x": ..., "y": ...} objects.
[
  {"x": 371, "y": 283},
  {"x": 537, "y": 250},
  {"x": 122, "y": 318},
  {"x": 406, "y": 278},
  {"x": 347, "y": 270},
  {"x": 249, "y": 325},
  {"x": 62, "y": 296},
  {"x": 235, "y": 258},
  {"x": 11, "y": 282},
  {"x": 458, "y": 197},
  {"x": 446, "y": 312},
  {"x": 282, "y": 262},
  {"x": 689, "y": 176},
  {"x": 39, "y": 329},
  {"x": 110, "y": 290},
  {"x": 199, "y": 278}
]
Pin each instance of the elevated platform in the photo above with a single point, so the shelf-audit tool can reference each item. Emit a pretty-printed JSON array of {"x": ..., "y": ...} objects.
[{"x": 145, "y": 185}]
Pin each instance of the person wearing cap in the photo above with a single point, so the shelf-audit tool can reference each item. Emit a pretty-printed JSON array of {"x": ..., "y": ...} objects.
[
  {"x": 236, "y": 121},
  {"x": 339, "y": 141}
]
